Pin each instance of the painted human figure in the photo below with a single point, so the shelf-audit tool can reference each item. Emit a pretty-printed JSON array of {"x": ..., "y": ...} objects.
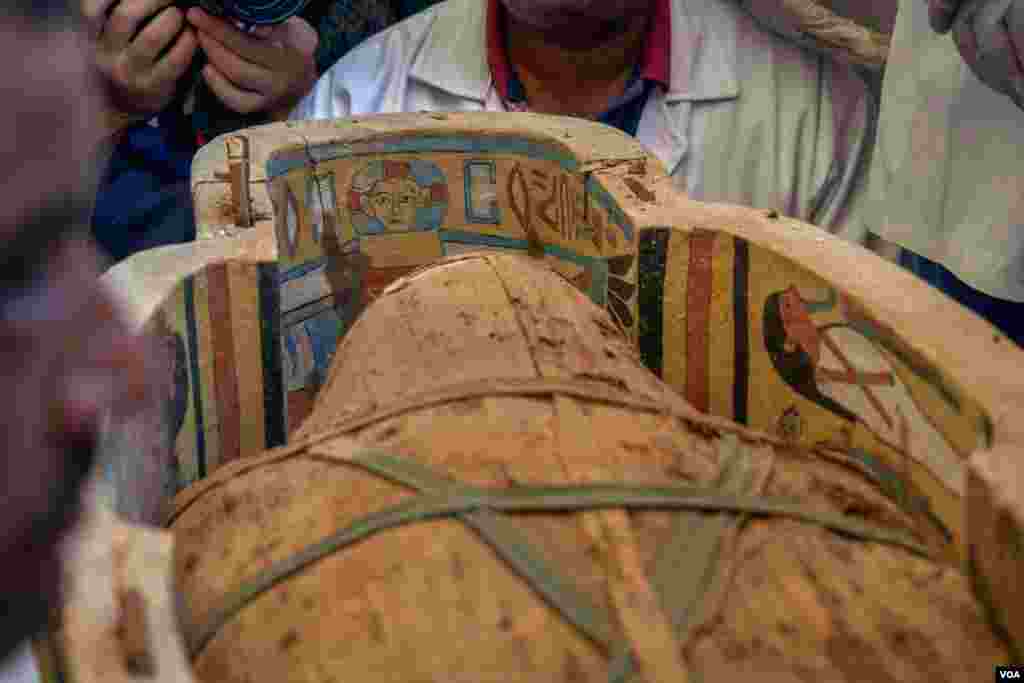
[
  {"x": 394, "y": 203},
  {"x": 840, "y": 368},
  {"x": 398, "y": 196}
]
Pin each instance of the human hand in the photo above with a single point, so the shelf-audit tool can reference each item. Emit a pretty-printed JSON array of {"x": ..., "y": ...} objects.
[
  {"x": 142, "y": 49},
  {"x": 268, "y": 70},
  {"x": 990, "y": 37}
]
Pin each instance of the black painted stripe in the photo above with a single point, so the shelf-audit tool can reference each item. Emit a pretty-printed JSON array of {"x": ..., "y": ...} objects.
[
  {"x": 270, "y": 343},
  {"x": 197, "y": 380},
  {"x": 651, "y": 279},
  {"x": 741, "y": 301}
]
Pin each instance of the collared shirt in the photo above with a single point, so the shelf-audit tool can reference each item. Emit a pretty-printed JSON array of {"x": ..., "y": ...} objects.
[
  {"x": 748, "y": 117},
  {"x": 625, "y": 110}
]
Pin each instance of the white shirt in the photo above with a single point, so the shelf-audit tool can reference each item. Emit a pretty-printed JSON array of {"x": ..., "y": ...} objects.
[
  {"x": 748, "y": 117},
  {"x": 20, "y": 667}
]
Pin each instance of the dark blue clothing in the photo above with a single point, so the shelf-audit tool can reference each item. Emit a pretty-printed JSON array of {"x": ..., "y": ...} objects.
[
  {"x": 1008, "y": 316},
  {"x": 144, "y": 200},
  {"x": 407, "y": 8}
]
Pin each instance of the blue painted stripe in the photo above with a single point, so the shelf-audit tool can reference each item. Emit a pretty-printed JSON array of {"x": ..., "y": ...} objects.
[
  {"x": 615, "y": 213},
  {"x": 598, "y": 267},
  {"x": 299, "y": 271},
  {"x": 284, "y": 162},
  {"x": 324, "y": 332},
  {"x": 483, "y": 240},
  {"x": 197, "y": 383}
]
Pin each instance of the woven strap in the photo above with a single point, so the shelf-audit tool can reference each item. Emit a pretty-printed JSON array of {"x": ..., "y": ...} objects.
[
  {"x": 590, "y": 391},
  {"x": 459, "y": 500},
  {"x": 685, "y": 568}
]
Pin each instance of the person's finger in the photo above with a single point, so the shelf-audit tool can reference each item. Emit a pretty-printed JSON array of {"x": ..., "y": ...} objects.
[
  {"x": 94, "y": 13},
  {"x": 175, "y": 63},
  {"x": 126, "y": 19},
  {"x": 985, "y": 44},
  {"x": 963, "y": 32},
  {"x": 93, "y": 10},
  {"x": 299, "y": 34},
  {"x": 995, "y": 48},
  {"x": 157, "y": 35},
  {"x": 246, "y": 75},
  {"x": 262, "y": 32},
  {"x": 241, "y": 101},
  {"x": 1014, "y": 21},
  {"x": 988, "y": 20},
  {"x": 1008, "y": 60},
  {"x": 941, "y": 14},
  {"x": 252, "y": 49}
]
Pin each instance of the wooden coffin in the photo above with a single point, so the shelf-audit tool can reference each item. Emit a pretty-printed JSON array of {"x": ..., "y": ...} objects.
[
  {"x": 491, "y": 487},
  {"x": 118, "y": 622},
  {"x": 749, "y": 316}
]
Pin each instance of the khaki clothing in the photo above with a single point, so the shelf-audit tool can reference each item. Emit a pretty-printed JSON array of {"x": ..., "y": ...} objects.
[{"x": 947, "y": 178}]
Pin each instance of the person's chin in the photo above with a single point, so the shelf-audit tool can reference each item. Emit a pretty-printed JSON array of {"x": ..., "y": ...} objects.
[{"x": 578, "y": 31}]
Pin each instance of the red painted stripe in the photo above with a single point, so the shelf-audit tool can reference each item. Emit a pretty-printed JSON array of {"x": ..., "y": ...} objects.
[
  {"x": 698, "y": 318},
  {"x": 224, "y": 377}
]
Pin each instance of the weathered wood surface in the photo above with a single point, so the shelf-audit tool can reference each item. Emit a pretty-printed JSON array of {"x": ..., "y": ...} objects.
[
  {"x": 140, "y": 454},
  {"x": 995, "y": 510},
  {"x": 496, "y": 372},
  {"x": 118, "y": 622},
  {"x": 971, "y": 355}
]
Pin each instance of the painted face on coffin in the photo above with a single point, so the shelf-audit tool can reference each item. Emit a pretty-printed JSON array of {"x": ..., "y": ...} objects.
[
  {"x": 398, "y": 196},
  {"x": 395, "y": 201}
]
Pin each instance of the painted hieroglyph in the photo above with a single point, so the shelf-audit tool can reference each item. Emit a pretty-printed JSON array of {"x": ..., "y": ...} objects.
[{"x": 844, "y": 368}]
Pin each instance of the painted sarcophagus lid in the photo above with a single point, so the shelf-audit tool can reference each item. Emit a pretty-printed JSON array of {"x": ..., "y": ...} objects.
[
  {"x": 748, "y": 316},
  {"x": 488, "y": 460}
]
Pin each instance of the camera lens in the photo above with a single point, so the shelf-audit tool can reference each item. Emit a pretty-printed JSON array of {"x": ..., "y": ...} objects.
[{"x": 255, "y": 12}]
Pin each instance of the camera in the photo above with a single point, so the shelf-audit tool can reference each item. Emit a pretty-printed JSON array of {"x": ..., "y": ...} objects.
[{"x": 249, "y": 12}]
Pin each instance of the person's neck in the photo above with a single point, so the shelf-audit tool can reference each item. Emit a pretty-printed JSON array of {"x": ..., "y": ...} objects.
[{"x": 579, "y": 72}]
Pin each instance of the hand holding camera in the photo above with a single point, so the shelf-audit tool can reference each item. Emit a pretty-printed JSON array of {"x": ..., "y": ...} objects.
[
  {"x": 268, "y": 69},
  {"x": 143, "y": 48}
]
